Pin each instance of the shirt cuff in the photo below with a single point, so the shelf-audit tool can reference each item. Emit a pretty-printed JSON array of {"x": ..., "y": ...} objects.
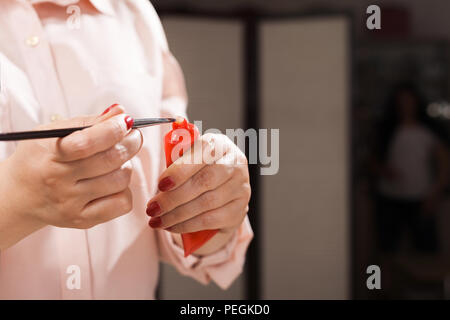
[{"x": 222, "y": 266}]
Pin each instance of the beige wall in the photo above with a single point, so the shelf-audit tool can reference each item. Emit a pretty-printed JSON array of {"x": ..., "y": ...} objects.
[{"x": 306, "y": 211}]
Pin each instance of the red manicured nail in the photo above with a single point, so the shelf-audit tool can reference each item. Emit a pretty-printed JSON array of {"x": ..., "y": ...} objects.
[
  {"x": 109, "y": 109},
  {"x": 155, "y": 222},
  {"x": 153, "y": 209},
  {"x": 166, "y": 184},
  {"x": 129, "y": 121}
]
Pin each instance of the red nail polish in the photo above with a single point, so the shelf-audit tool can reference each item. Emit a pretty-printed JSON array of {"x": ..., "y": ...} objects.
[
  {"x": 153, "y": 209},
  {"x": 109, "y": 109},
  {"x": 155, "y": 222},
  {"x": 129, "y": 121},
  {"x": 166, "y": 184}
]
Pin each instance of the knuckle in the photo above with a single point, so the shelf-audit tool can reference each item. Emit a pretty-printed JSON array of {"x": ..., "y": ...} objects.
[
  {"x": 115, "y": 130},
  {"x": 56, "y": 189},
  {"x": 51, "y": 174},
  {"x": 241, "y": 172},
  {"x": 167, "y": 201},
  {"x": 126, "y": 202},
  {"x": 60, "y": 199},
  {"x": 80, "y": 222},
  {"x": 171, "y": 219},
  {"x": 137, "y": 140},
  {"x": 127, "y": 174},
  {"x": 115, "y": 155},
  {"x": 208, "y": 199},
  {"x": 239, "y": 217},
  {"x": 203, "y": 179},
  {"x": 50, "y": 181},
  {"x": 247, "y": 191},
  {"x": 123, "y": 177},
  {"x": 77, "y": 223},
  {"x": 109, "y": 157},
  {"x": 81, "y": 145},
  {"x": 245, "y": 210}
]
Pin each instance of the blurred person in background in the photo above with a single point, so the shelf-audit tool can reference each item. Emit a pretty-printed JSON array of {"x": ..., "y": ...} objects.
[{"x": 412, "y": 167}]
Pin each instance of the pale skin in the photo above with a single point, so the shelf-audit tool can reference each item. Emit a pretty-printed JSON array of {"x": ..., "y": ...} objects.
[
  {"x": 75, "y": 182},
  {"x": 83, "y": 180}
]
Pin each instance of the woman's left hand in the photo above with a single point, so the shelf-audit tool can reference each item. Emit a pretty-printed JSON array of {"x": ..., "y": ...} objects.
[{"x": 211, "y": 194}]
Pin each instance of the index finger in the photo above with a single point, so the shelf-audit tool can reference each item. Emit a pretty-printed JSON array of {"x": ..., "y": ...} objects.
[{"x": 100, "y": 137}]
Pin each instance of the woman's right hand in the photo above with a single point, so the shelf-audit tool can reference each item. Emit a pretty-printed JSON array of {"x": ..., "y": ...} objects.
[{"x": 77, "y": 181}]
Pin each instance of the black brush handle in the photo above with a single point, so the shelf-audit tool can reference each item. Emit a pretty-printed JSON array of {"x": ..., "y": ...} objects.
[
  {"x": 60, "y": 133},
  {"x": 39, "y": 134}
]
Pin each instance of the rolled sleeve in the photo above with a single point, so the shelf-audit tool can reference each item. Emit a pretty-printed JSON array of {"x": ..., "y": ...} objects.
[{"x": 222, "y": 266}]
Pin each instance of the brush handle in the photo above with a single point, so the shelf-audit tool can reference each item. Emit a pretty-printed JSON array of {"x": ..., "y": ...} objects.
[
  {"x": 39, "y": 134},
  {"x": 61, "y": 133}
]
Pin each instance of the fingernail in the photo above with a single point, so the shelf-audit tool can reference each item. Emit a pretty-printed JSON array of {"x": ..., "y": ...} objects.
[
  {"x": 166, "y": 184},
  {"x": 155, "y": 222},
  {"x": 109, "y": 109},
  {"x": 129, "y": 121},
  {"x": 153, "y": 209}
]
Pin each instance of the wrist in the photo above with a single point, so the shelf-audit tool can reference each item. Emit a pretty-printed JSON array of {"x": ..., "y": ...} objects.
[{"x": 15, "y": 220}]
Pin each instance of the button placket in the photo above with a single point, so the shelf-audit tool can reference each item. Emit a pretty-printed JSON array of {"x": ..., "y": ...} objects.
[
  {"x": 39, "y": 65},
  {"x": 55, "y": 117},
  {"x": 32, "y": 41}
]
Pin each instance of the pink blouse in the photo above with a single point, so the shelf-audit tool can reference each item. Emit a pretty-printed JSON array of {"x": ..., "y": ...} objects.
[{"x": 65, "y": 58}]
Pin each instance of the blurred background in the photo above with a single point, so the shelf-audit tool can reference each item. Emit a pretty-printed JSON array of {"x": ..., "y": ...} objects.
[{"x": 364, "y": 120}]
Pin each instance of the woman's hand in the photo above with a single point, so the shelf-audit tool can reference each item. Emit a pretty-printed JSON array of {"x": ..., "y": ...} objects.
[
  {"x": 212, "y": 194},
  {"x": 77, "y": 181}
]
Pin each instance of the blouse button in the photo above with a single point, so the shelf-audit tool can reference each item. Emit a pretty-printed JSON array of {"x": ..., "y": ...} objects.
[
  {"x": 55, "y": 117},
  {"x": 32, "y": 41}
]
